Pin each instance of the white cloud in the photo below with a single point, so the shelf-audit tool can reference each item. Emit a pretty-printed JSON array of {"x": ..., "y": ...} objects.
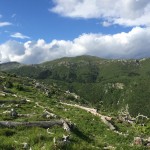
[
  {"x": 134, "y": 44},
  {"x": 106, "y": 24},
  {"x": 2, "y": 24},
  {"x": 19, "y": 36},
  {"x": 122, "y": 12}
]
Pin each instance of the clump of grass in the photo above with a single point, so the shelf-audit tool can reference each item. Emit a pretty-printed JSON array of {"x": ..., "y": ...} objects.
[{"x": 7, "y": 132}]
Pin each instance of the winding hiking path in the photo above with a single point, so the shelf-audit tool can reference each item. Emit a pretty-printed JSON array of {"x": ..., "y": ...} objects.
[{"x": 105, "y": 119}]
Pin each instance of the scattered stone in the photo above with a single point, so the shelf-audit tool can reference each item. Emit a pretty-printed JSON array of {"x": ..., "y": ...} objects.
[
  {"x": 49, "y": 131},
  {"x": 138, "y": 141},
  {"x": 13, "y": 113},
  {"x": 3, "y": 94},
  {"x": 61, "y": 141},
  {"x": 148, "y": 145},
  {"x": 107, "y": 122},
  {"x": 65, "y": 126},
  {"x": 54, "y": 141},
  {"x": 25, "y": 145},
  {"x": 124, "y": 116},
  {"x": 6, "y": 112},
  {"x": 14, "y": 95},
  {"x": 2, "y": 105},
  {"x": 109, "y": 148},
  {"x": 48, "y": 114},
  {"x": 119, "y": 86},
  {"x": 17, "y": 105},
  {"x": 65, "y": 138},
  {"x": 141, "y": 119},
  {"x": 37, "y": 85}
]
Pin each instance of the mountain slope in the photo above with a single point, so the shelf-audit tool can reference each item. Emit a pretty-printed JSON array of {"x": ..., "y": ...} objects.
[
  {"x": 107, "y": 84},
  {"x": 10, "y": 65},
  {"x": 37, "y": 102}
]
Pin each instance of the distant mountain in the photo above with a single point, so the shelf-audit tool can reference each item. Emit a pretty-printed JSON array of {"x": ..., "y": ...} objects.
[
  {"x": 106, "y": 83},
  {"x": 9, "y": 66}
]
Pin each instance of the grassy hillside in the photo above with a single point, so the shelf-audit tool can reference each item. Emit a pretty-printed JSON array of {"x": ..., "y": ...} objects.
[
  {"x": 106, "y": 84},
  {"x": 30, "y": 98},
  {"x": 10, "y": 65}
]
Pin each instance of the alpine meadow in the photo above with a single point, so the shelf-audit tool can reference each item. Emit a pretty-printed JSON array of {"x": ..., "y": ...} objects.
[{"x": 75, "y": 75}]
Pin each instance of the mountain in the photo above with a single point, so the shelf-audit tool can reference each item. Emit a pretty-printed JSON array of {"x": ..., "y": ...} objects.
[
  {"x": 105, "y": 84},
  {"x": 35, "y": 115},
  {"x": 10, "y": 65}
]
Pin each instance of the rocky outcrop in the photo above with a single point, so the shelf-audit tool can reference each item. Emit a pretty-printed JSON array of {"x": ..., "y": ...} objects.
[
  {"x": 42, "y": 124},
  {"x": 142, "y": 141}
]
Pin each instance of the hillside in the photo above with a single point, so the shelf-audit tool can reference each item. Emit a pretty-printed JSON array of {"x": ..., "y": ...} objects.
[
  {"x": 105, "y": 84},
  {"x": 10, "y": 65},
  {"x": 42, "y": 116}
]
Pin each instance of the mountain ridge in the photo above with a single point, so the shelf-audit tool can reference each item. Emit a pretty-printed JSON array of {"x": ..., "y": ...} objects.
[{"x": 105, "y": 84}]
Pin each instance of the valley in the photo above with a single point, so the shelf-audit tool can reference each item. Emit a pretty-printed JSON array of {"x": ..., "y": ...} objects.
[{"x": 45, "y": 114}]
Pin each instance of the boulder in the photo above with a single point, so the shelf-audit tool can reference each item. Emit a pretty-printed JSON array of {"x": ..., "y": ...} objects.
[
  {"x": 148, "y": 145},
  {"x": 138, "y": 141}
]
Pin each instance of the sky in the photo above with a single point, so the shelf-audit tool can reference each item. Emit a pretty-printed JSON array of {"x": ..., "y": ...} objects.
[{"x": 34, "y": 31}]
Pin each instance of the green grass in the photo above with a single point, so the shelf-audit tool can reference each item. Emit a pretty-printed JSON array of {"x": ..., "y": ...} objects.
[
  {"x": 89, "y": 131},
  {"x": 90, "y": 76}
]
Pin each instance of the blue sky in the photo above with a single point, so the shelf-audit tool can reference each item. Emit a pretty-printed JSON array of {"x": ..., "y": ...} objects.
[
  {"x": 32, "y": 18},
  {"x": 33, "y": 31}
]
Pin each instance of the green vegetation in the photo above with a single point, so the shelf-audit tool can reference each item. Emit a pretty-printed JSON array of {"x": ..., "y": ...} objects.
[
  {"x": 88, "y": 132},
  {"x": 105, "y": 84}
]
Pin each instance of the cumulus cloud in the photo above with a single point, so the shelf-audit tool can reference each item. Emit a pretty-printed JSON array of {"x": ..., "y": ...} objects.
[
  {"x": 106, "y": 24},
  {"x": 122, "y": 12},
  {"x": 19, "y": 36},
  {"x": 2, "y": 24},
  {"x": 134, "y": 44}
]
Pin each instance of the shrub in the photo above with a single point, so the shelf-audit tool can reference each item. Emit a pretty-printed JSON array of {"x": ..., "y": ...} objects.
[
  {"x": 8, "y": 84},
  {"x": 19, "y": 87}
]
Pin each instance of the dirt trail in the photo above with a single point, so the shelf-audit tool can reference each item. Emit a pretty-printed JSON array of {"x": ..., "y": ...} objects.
[
  {"x": 105, "y": 119},
  {"x": 91, "y": 110}
]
